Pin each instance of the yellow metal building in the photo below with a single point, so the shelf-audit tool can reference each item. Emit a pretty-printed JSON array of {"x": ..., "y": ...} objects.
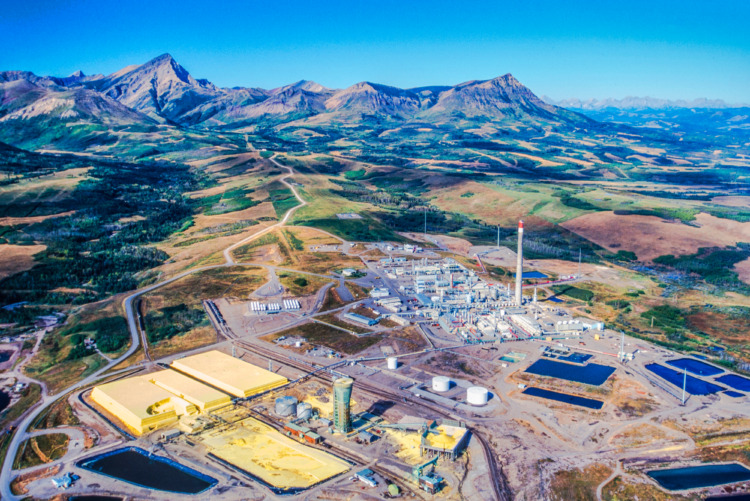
[
  {"x": 141, "y": 405},
  {"x": 202, "y": 396},
  {"x": 229, "y": 374}
]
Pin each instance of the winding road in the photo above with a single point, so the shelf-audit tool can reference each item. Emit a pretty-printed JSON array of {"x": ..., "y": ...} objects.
[{"x": 137, "y": 339}]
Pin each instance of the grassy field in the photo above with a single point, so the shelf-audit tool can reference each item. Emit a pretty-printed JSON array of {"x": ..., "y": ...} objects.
[
  {"x": 357, "y": 290},
  {"x": 57, "y": 372},
  {"x": 332, "y": 319},
  {"x": 40, "y": 450},
  {"x": 59, "y": 413},
  {"x": 335, "y": 339},
  {"x": 173, "y": 315},
  {"x": 300, "y": 284},
  {"x": 578, "y": 484},
  {"x": 332, "y": 300}
]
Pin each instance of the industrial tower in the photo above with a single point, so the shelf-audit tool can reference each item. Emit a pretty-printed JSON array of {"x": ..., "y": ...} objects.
[
  {"x": 342, "y": 394},
  {"x": 519, "y": 265}
]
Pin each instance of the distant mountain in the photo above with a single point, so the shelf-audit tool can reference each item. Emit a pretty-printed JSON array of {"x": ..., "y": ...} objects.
[
  {"x": 367, "y": 98},
  {"x": 161, "y": 89},
  {"x": 165, "y": 92},
  {"x": 501, "y": 97},
  {"x": 638, "y": 103},
  {"x": 23, "y": 99},
  {"x": 307, "y": 85}
]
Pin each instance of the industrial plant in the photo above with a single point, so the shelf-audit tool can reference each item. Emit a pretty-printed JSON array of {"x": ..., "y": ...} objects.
[{"x": 449, "y": 356}]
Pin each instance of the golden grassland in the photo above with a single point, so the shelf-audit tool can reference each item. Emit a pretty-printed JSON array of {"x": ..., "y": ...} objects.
[
  {"x": 40, "y": 450},
  {"x": 657, "y": 237},
  {"x": 17, "y": 258},
  {"x": 49, "y": 188},
  {"x": 233, "y": 282},
  {"x": 579, "y": 484}
]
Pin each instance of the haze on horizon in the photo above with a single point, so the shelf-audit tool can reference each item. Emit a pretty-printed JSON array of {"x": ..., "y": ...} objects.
[{"x": 669, "y": 49}]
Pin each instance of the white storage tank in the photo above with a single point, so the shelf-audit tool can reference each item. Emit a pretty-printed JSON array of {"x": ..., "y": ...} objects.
[
  {"x": 476, "y": 395},
  {"x": 441, "y": 383},
  {"x": 304, "y": 410},
  {"x": 286, "y": 406},
  {"x": 392, "y": 363}
]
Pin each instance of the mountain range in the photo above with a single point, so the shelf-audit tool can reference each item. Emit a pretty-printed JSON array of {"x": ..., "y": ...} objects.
[
  {"x": 161, "y": 91},
  {"x": 639, "y": 103}
]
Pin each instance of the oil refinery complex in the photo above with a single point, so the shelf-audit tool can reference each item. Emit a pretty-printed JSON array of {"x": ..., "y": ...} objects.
[{"x": 439, "y": 382}]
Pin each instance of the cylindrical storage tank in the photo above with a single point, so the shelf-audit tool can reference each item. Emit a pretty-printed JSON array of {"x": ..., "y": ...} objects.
[
  {"x": 392, "y": 363},
  {"x": 286, "y": 406},
  {"x": 476, "y": 395},
  {"x": 441, "y": 383},
  {"x": 304, "y": 410}
]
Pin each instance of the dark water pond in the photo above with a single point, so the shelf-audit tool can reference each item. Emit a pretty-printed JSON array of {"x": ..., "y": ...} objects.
[
  {"x": 695, "y": 367},
  {"x": 5, "y": 356},
  {"x": 4, "y": 400},
  {"x": 589, "y": 403},
  {"x": 593, "y": 374},
  {"x": 694, "y": 386},
  {"x": 733, "y": 394},
  {"x": 138, "y": 467},
  {"x": 735, "y": 381},
  {"x": 693, "y": 477}
]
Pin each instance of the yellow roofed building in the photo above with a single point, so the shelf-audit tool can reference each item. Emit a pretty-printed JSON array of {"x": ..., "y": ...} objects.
[
  {"x": 201, "y": 395},
  {"x": 141, "y": 405},
  {"x": 229, "y": 374}
]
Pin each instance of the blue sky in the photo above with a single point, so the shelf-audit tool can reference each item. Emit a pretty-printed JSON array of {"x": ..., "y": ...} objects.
[{"x": 562, "y": 49}]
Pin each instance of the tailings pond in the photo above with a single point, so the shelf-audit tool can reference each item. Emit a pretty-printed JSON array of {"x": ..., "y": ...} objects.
[
  {"x": 693, "y": 477},
  {"x": 589, "y": 403},
  {"x": 138, "y": 467},
  {"x": 736, "y": 382},
  {"x": 593, "y": 374},
  {"x": 695, "y": 367},
  {"x": 694, "y": 386}
]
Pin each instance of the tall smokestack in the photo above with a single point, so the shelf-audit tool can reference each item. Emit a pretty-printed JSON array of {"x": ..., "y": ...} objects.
[{"x": 519, "y": 265}]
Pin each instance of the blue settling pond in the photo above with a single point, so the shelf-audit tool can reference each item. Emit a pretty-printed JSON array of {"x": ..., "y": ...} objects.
[
  {"x": 695, "y": 367},
  {"x": 736, "y": 382},
  {"x": 593, "y": 374},
  {"x": 677, "y": 479},
  {"x": 136, "y": 466},
  {"x": 534, "y": 274},
  {"x": 589, "y": 403},
  {"x": 554, "y": 299},
  {"x": 734, "y": 394},
  {"x": 576, "y": 358},
  {"x": 5, "y": 356},
  {"x": 694, "y": 386}
]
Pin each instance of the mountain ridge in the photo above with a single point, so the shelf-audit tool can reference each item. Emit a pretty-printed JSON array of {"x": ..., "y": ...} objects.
[{"x": 163, "y": 91}]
